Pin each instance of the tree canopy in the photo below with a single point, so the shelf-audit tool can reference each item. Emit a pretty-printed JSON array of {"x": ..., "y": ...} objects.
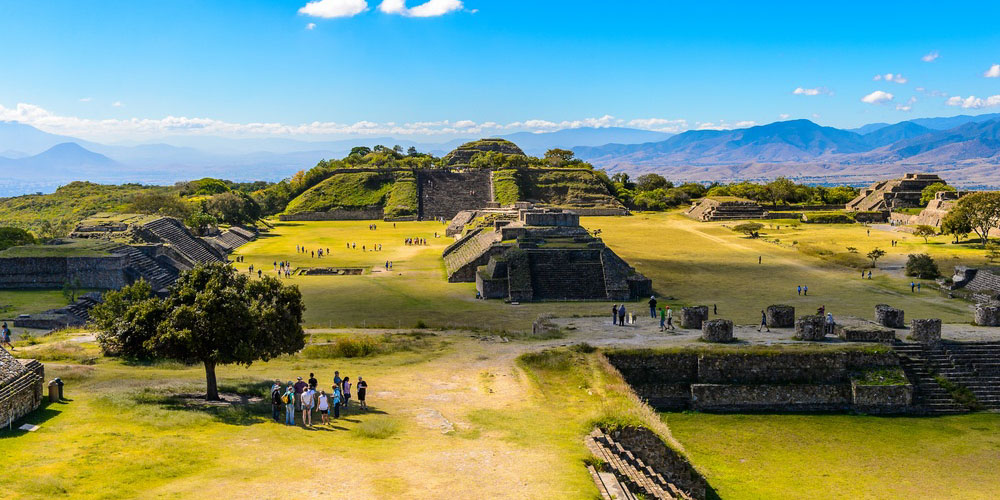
[
  {"x": 981, "y": 213},
  {"x": 212, "y": 315},
  {"x": 928, "y": 193}
]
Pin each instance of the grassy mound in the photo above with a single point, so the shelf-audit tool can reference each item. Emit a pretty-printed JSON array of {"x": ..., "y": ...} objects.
[
  {"x": 344, "y": 191},
  {"x": 403, "y": 200},
  {"x": 581, "y": 188}
]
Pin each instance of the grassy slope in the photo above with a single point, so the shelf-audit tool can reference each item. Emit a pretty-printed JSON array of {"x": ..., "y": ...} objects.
[
  {"x": 351, "y": 190},
  {"x": 565, "y": 187},
  {"x": 68, "y": 205},
  {"x": 843, "y": 456},
  {"x": 28, "y": 302},
  {"x": 403, "y": 199}
]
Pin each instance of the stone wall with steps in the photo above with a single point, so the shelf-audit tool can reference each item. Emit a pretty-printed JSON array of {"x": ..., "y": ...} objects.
[
  {"x": 172, "y": 232},
  {"x": 644, "y": 465},
  {"x": 709, "y": 209},
  {"x": 444, "y": 193},
  {"x": 974, "y": 365}
]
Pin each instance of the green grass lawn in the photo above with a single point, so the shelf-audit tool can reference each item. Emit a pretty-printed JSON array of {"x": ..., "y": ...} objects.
[
  {"x": 843, "y": 456},
  {"x": 15, "y": 302}
]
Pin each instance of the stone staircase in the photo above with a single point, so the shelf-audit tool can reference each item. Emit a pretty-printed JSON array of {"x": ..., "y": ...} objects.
[
  {"x": 715, "y": 210},
  {"x": 561, "y": 279},
  {"x": 231, "y": 239},
  {"x": 634, "y": 476},
  {"x": 444, "y": 193},
  {"x": 142, "y": 266},
  {"x": 468, "y": 251},
  {"x": 975, "y": 366},
  {"x": 171, "y": 232}
]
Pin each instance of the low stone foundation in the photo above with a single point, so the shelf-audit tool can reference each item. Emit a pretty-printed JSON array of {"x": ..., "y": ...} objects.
[
  {"x": 785, "y": 397},
  {"x": 988, "y": 315},
  {"x": 926, "y": 331},
  {"x": 881, "y": 398},
  {"x": 780, "y": 316},
  {"x": 810, "y": 328},
  {"x": 863, "y": 331},
  {"x": 717, "y": 330},
  {"x": 889, "y": 317},
  {"x": 693, "y": 317}
]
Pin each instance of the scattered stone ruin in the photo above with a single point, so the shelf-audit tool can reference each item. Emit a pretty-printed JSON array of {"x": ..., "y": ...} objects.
[
  {"x": 981, "y": 285},
  {"x": 889, "y": 317},
  {"x": 935, "y": 211},
  {"x": 892, "y": 194},
  {"x": 693, "y": 317},
  {"x": 810, "y": 327},
  {"x": 988, "y": 315},
  {"x": 21, "y": 385},
  {"x": 780, "y": 316},
  {"x": 542, "y": 254},
  {"x": 717, "y": 330},
  {"x": 925, "y": 331},
  {"x": 75, "y": 314},
  {"x": 725, "y": 208},
  {"x": 860, "y": 330}
]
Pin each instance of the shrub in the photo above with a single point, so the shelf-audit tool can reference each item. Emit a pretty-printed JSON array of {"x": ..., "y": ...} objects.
[
  {"x": 830, "y": 219},
  {"x": 549, "y": 359},
  {"x": 749, "y": 228},
  {"x": 922, "y": 266}
]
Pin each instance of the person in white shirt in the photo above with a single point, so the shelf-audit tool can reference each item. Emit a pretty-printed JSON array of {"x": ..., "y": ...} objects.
[
  {"x": 323, "y": 405},
  {"x": 308, "y": 401}
]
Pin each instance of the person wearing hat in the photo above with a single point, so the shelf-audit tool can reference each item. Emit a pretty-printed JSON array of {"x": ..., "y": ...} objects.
[
  {"x": 652, "y": 306},
  {"x": 289, "y": 399},
  {"x": 299, "y": 387},
  {"x": 276, "y": 402}
]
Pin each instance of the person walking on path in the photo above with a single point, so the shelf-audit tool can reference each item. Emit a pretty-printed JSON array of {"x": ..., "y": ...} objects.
[
  {"x": 805, "y": 290},
  {"x": 362, "y": 392},
  {"x": 670, "y": 318},
  {"x": 323, "y": 405},
  {"x": 299, "y": 387},
  {"x": 621, "y": 315},
  {"x": 652, "y": 307},
  {"x": 763, "y": 321},
  {"x": 821, "y": 311},
  {"x": 663, "y": 319},
  {"x": 346, "y": 394},
  {"x": 614, "y": 314},
  {"x": 308, "y": 399},
  {"x": 800, "y": 289},
  {"x": 912, "y": 286},
  {"x": 276, "y": 402},
  {"x": 289, "y": 399}
]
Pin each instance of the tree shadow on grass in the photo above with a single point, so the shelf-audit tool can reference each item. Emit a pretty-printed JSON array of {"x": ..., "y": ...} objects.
[{"x": 38, "y": 417}]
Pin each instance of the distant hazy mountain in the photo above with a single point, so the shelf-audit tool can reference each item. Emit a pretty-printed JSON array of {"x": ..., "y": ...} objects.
[
  {"x": 28, "y": 140},
  {"x": 889, "y": 134},
  {"x": 67, "y": 158},
  {"x": 536, "y": 144}
]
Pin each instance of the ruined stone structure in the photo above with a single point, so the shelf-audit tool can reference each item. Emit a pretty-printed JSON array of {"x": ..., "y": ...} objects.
[
  {"x": 892, "y": 194},
  {"x": 925, "y": 331},
  {"x": 972, "y": 365},
  {"x": 859, "y": 330},
  {"x": 780, "y": 316},
  {"x": 936, "y": 209},
  {"x": 739, "y": 380},
  {"x": 981, "y": 285},
  {"x": 725, "y": 208},
  {"x": 988, "y": 315},
  {"x": 889, "y": 317},
  {"x": 21, "y": 383},
  {"x": 445, "y": 193},
  {"x": 542, "y": 255},
  {"x": 693, "y": 317},
  {"x": 812, "y": 327},
  {"x": 717, "y": 330},
  {"x": 640, "y": 462},
  {"x": 75, "y": 314}
]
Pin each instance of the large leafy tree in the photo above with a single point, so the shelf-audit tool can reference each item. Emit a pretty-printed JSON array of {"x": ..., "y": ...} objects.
[
  {"x": 957, "y": 223},
  {"x": 928, "y": 193},
  {"x": 982, "y": 212},
  {"x": 213, "y": 315},
  {"x": 14, "y": 236}
]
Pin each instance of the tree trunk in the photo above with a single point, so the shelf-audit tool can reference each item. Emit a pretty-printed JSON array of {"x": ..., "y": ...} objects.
[{"x": 212, "y": 394}]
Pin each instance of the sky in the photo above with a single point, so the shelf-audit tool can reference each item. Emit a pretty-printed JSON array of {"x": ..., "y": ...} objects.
[{"x": 130, "y": 71}]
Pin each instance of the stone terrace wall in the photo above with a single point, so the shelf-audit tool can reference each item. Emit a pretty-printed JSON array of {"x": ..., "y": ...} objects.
[
  {"x": 52, "y": 272},
  {"x": 370, "y": 213},
  {"x": 21, "y": 384}
]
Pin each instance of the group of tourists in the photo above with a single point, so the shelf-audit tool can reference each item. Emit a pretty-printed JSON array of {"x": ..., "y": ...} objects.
[
  {"x": 373, "y": 227},
  {"x": 619, "y": 315},
  {"x": 5, "y": 336},
  {"x": 283, "y": 268},
  {"x": 415, "y": 241},
  {"x": 388, "y": 265},
  {"x": 307, "y": 397},
  {"x": 803, "y": 289},
  {"x": 914, "y": 286},
  {"x": 239, "y": 258},
  {"x": 863, "y": 274}
]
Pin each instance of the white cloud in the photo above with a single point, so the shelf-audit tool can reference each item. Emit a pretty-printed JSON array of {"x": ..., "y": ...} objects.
[
  {"x": 973, "y": 102},
  {"x": 815, "y": 91},
  {"x": 311, "y": 26},
  {"x": 659, "y": 124},
  {"x": 725, "y": 125},
  {"x": 117, "y": 104},
  {"x": 993, "y": 72},
  {"x": 890, "y": 77},
  {"x": 784, "y": 116},
  {"x": 877, "y": 97},
  {"x": 930, "y": 56},
  {"x": 908, "y": 106},
  {"x": 329, "y": 9},
  {"x": 431, "y": 8},
  {"x": 85, "y": 99}
]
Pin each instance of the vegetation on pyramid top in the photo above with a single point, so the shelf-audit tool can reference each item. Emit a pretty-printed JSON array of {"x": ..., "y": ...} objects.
[{"x": 464, "y": 154}]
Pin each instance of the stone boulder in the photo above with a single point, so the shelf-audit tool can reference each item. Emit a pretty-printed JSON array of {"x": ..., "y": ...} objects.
[
  {"x": 926, "y": 331},
  {"x": 889, "y": 317},
  {"x": 988, "y": 315},
  {"x": 717, "y": 330},
  {"x": 780, "y": 316},
  {"x": 693, "y": 317},
  {"x": 811, "y": 327}
]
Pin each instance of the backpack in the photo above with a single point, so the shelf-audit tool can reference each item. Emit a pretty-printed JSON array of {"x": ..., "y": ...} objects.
[{"x": 284, "y": 398}]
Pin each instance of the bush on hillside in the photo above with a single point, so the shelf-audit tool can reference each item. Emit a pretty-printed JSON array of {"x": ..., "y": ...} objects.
[
  {"x": 13, "y": 236},
  {"x": 829, "y": 219}
]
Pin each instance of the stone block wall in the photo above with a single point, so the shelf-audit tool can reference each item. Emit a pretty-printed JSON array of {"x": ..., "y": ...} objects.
[
  {"x": 760, "y": 397},
  {"x": 889, "y": 317},
  {"x": 780, "y": 316},
  {"x": 370, "y": 213},
  {"x": 988, "y": 315},
  {"x": 881, "y": 398},
  {"x": 693, "y": 317},
  {"x": 811, "y": 327},
  {"x": 21, "y": 384},
  {"x": 717, "y": 330},
  {"x": 926, "y": 331},
  {"x": 674, "y": 467},
  {"x": 52, "y": 272}
]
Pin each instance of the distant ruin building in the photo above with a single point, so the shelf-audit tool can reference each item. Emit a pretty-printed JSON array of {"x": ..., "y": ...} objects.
[
  {"x": 935, "y": 211},
  {"x": 893, "y": 194},
  {"x": 107, "y": 252},
  {"x": 719, "y": 208},
  {"x": 524, "y": 254},
  {"x": 21, "y": 385}
]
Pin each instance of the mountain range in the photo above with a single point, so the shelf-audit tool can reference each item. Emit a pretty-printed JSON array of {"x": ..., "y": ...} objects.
[{"x": 964, "y": 148}]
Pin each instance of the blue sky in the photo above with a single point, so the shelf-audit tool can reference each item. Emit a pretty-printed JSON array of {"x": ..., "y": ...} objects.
[{"x": 121, "y": 70}]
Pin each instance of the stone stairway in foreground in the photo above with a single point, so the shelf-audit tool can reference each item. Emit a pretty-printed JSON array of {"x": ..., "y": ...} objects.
[
  {"x": 170, "y": 231},
  {"x": 973, "y": 365},
  {"x": 146, "y": 268},
  {"x": 635, "y": 478}
]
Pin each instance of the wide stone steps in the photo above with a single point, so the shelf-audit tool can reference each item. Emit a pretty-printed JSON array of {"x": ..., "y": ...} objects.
[
  {"x": 633, "y": 472},
  {"x": 444, "y": 194},
  {"x": 572, "y": 281},
  {"x": 147, "y": 268},
  {"x": 975, "y": 366},
  {"x": 466, "y": 250},
  {"x": 182, "y": 241}
]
